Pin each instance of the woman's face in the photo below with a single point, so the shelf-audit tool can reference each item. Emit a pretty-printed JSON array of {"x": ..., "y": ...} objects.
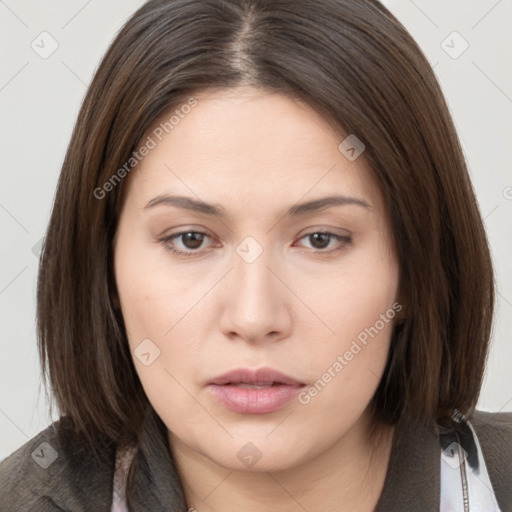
[{"x": 255, "y": 284}]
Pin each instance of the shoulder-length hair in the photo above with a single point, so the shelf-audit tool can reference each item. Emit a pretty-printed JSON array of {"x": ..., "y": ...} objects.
[{"x": 356, "y": 65}]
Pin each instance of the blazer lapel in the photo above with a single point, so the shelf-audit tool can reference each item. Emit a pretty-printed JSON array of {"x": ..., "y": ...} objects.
[
  {"x": 157, "y": 486},
  {"x": 413, "y": 479}
]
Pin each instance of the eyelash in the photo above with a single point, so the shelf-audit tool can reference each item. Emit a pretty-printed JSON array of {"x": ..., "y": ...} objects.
[{"x": 344, "y": 240}]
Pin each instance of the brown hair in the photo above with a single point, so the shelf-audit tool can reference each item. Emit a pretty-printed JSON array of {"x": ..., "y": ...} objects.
[{"x": 357, "y": 66}]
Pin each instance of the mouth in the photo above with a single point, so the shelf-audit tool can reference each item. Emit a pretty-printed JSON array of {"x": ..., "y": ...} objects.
[
  {"x": 259, "y": 385},
  {"x": 262, "y": 377},
  {"x": 260, "y": 391}
]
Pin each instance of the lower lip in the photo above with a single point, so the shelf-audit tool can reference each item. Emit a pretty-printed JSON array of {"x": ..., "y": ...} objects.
[{"x": 255, "y": 400}]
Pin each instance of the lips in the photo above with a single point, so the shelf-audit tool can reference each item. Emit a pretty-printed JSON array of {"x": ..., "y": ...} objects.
[
  {"x": 260, "y": 391},
  {"x": 261, "y": 376}
]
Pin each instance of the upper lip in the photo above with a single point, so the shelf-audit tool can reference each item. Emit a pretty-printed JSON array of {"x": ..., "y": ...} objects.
[{"x": 257, "y": 376}]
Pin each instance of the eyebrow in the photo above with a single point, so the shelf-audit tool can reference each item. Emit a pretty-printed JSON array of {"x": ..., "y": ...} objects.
[{"x": 199, "y": 206}]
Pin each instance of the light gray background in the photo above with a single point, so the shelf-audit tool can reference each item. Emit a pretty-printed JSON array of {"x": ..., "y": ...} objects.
[{"x": 40, "y": 98}]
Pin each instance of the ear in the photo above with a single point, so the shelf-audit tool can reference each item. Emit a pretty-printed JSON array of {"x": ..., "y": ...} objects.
[
  {"x": 400, "y": 308},
  {"x": 401, "y": 314},
  {"x": 116, "y": 303}
]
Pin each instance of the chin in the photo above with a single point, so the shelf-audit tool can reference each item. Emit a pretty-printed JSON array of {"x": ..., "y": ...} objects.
[{"x": 259, "y": 455}]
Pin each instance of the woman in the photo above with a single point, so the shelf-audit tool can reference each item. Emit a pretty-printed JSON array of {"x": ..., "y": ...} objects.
[{"x": 266, "y": 283}]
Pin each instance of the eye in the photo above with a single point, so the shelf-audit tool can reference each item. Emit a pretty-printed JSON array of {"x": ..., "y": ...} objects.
[
  {"x": 321, "y": 239},
  {"x": 190, "y": 242}
]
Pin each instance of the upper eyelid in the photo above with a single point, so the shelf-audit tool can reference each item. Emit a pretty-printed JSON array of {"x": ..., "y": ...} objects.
[{"x": 309, "y": 232}]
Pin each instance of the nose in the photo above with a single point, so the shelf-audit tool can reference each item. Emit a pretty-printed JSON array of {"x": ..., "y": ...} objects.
[{"x": 257, "y": 304}]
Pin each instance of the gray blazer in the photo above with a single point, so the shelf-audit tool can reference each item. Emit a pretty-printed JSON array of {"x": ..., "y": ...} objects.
[{"x": 63, "y": 475}]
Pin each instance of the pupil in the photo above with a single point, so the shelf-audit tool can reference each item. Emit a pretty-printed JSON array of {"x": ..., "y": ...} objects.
[
  {"x": 323, "y": 237},
  {"x": 193, "y": 240}
]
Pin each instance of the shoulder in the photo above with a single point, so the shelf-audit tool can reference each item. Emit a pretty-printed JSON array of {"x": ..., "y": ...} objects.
[
  {"x": 494, "y": 431},
  {"x": 56, "y": 471}
]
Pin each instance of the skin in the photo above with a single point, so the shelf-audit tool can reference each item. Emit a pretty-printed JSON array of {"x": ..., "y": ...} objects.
[{"x": 295, "y": 308}]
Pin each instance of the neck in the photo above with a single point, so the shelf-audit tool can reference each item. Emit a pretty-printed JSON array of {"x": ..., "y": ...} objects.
[{"x": 347, "y": 477}]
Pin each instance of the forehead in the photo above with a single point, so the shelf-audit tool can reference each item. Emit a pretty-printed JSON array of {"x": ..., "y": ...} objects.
[{"x": 246, "y": 146}]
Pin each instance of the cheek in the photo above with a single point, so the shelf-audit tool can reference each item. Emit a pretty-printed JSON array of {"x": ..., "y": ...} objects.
[
  {"x": 353, "y": 296},
  {"x": 347, "y": 371},
  {"x": 152, "y": 313},
  {"x": 149, "y": 295},
  {"x": 143, "y": 310},
  {"x": 159, "y": 316},
  {"x": 359, "y": 306}
]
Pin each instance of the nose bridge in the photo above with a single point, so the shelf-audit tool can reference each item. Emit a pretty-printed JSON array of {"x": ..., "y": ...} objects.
[
  {"x": 254, "y": 281},
  {"x": 257, "y": 304}
]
